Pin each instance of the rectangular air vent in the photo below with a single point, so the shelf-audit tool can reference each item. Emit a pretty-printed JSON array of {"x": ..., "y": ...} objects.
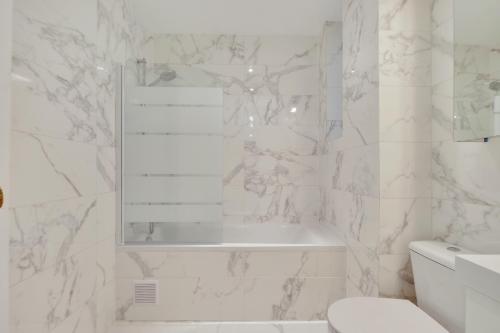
[{"x": 146, "y": 292}]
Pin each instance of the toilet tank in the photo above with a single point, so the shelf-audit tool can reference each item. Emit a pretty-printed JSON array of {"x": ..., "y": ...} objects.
[{"x": 439, "y": 292}]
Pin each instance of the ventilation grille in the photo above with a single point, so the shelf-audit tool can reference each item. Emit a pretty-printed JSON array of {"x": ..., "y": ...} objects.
[{"x": 146, "y": 292}]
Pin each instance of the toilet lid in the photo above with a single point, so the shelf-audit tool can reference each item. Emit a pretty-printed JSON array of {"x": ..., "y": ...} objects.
[{"x": 380, "y": 315}]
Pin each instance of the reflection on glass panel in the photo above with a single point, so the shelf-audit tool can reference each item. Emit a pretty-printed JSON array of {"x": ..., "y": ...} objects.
[
  {"x": 331, "y": 78},
  {"x": 477, "y": 69},
  {"x": 172, "y": 157}
]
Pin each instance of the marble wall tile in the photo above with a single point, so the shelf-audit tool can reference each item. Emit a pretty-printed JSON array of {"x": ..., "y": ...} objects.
[
  {"x": 105, "y": 123},
  {"x": 187, "y": 299},
  {"x": 383, "y": 157},
  {"x": 477, "y": 59},
  {"x": 285, "y": 50},
  {"x": 464, "y": 174},
  {"x": 356, "y": 217},
  {"x": 301, "y": 110},
  {"x": 154, "y": 264},
  {"x": 64, "y": 169},
  {"x": 196, "y": 49},
  {"x": 226, "y": 298},
  {"x": 273, "y": 203},
  {"x": 157, "y": 264},
  {"x": 351, "y": 169},
  {"x": 406, "y": 115},
  {"x": 405, "y": 170},
  {"x": 63, "y": 138},
  {"x": 331, "y": 264},
  {"x": 443, "y": 67},
  {"x": 405, "y": 58},
  {"x": 473, "y": 103},
  {"x": 360, "y": 36},
  {"x": 298, "y": 141},
  {"x": 271, "y": 116},
  {"x": 444, "y": 88},
  {"x": 106, "y": 216},
  {"x": 234, "y": 148},
  {"x": 442, "y": 11},
  {"x": 54, "y": 99},
  {"x": 292, "y": 299},
  {"x": 362, "y": 277},
  {"x": 47, "y": 234},
  {"x": 360, "y": 117},
  {"x": 472, "y": 226},
  {"x": 403, "y": 221},
  {"x": 353, "y": 137},
  {"x": 83, "y": 321},
  {"x": 269, "y": 168},
  {"x": 114, "y": 36},
  {"x": 105, "y": 274},
  {"x": 106, "y": 169},
  {"x": 74, "y": 15},
  {"x": 233, "y": 285},
  {"x": 106, "y": 305},
  {"x": 405, "y": 15},
  {"x": 207, "y": 298},
  {"x": 406, "y": 54},
  {"x": 443, "y": 71},
  {"x": 463, "y": 180},
  {"x": 360, "y": 74},
  {"x": 357, "y": 170},
  {"x": 396, "y": 277},
  {"x": 54, "y": 69},
  {"x": 235, "y": 50},
  {"x": 442, "y": 117},
  {"x": 268, "y": 80},
  {"x": 68, "y": 286},
  {"x": 124, "y": 301}
]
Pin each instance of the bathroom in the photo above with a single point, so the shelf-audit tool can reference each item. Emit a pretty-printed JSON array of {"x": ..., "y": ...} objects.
[{"x": 249, "y": 166}]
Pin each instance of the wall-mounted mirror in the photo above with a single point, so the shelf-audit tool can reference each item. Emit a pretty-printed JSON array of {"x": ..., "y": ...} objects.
[{"x": 477, "y": 69}]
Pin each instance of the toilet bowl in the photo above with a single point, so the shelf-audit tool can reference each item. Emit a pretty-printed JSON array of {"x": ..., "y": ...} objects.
[
  {"x": 380, "y": 315},
  {"x": 440, "y": 298}
]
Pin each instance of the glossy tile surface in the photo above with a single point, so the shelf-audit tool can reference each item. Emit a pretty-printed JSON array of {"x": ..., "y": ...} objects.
[
  {"x": 63, "y": 216},
  {"x": 229, "y": 285},
  {"x": 464, "y": 174}
]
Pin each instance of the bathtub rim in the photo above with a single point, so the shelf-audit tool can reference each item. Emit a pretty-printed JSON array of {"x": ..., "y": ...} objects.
[
  {"x": 337, "y": 246},
  {"x": 319, "y": 243}
]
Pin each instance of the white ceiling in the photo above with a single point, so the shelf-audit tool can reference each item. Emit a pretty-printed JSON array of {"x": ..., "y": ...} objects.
[{"x": 244, "y": 17}]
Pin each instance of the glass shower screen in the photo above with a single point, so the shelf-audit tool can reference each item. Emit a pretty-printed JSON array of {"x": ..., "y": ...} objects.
[{"x": 171, "y": 158}]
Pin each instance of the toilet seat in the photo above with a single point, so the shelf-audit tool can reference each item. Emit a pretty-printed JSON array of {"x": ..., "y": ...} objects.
[{"x": 380, "y": 315}]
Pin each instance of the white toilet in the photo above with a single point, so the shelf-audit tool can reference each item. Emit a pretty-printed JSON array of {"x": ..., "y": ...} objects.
[{"x": 440, "y": 299}]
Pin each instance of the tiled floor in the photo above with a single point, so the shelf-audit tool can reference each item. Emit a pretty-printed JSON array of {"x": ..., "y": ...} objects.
[{"x": 226, "y": 327}]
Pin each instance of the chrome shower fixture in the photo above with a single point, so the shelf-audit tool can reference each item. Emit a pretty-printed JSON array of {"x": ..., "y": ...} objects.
[
  {"x": 165, "y": 76},
  {"x": 495, "y": 86},
  {"x": 141, "y": 71}
]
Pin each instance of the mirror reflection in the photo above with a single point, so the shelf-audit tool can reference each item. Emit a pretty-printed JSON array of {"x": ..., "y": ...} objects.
[{"x": 477, "y": 69}]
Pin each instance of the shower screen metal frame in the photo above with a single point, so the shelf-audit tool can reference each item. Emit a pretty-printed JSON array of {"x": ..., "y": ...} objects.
[
  {"x": 119, "y": 109},
  {"x": 193, "y": 229}
]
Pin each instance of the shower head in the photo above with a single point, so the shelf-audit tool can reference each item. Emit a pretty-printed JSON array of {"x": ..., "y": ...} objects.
[
  {"x": 165, "y": 76},
  {"x": 495, "y": 86},
  {"x": 170, "y": 75}
]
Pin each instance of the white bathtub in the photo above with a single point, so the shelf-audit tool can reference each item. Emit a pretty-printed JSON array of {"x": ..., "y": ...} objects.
[{"x": 255, "y": 236}]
